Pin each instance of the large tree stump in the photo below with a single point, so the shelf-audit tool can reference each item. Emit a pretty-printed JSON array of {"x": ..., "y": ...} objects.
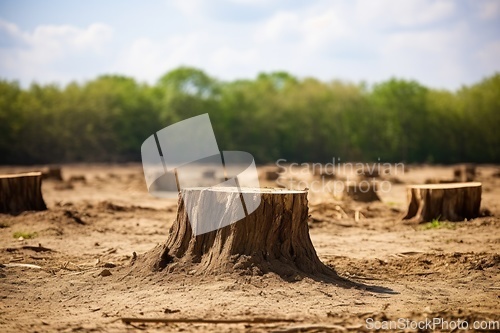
[
  {"x": 274, "y": 238},
  {"x": 451, "y": 202},
  {"x": 21, "y": 192}
]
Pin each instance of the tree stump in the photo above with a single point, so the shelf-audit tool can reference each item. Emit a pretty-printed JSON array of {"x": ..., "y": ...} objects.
[
  {"x": 363, "y": 191},
  {"x": 52, "y": 172},
  {"x": 464, "y": 173},
  {"x": 274, "y": 238},
  {"x": 272, "y": 175},
  {"x": 451, "y": 202},
  {"x": 21, "y": 192},
  {"x": 370, "y": 173}
]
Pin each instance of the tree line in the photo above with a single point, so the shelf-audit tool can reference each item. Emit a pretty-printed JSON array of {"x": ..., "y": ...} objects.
[{"x": 273, "y": 116}]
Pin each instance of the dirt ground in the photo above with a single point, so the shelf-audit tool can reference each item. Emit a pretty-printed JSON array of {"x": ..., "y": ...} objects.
[{"x": 92, "y": 227}]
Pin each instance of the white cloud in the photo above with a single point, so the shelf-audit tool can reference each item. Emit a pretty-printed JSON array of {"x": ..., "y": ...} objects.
[
  {"x": 488, "y": 58},
  {"x": 407, "y": 13},
  {"x": 33, "y": 54},
  {"x": 9, "y": 28},
  {"x": 437, "y": 54},
  {"x": 51, "y": 41},
  {"x": 368, "y": 39},
  {"x": 438, "y": 42},
  {"x": 193, "y": 9},
  {"x": 227, "y": 56},
  {"x": 311, "y": 29},
  {"x": 487, "y": 9},
  {"x": 257, "y": 3},
  {"x": 147, "y": 59},
  {"x": 281, "y": 26},
  {"x": 325, "y": 28}
]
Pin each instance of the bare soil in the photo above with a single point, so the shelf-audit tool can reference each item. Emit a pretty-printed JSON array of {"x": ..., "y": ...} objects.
[{"x": 94, "y": 226}]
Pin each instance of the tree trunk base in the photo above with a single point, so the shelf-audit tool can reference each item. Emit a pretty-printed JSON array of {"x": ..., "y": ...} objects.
[
  {"x": 451, "y": 202},
  {"x": 21, "y": 192},
  {"x": 273, "y": 238}
]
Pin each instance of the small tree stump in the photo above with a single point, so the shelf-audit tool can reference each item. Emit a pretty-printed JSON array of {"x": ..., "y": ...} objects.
[
  {"x": 274, "y": 238},
  {"x": 272, "y": 175},
  {"x": 373, "y": 173},
  {"x": 52, "y": 172},
  {"x": 452, "y": 202},
  {"x": 21, "y": 192},
  {"x": 326, "y": 175},
  {"x": 363, "y": 192},
  {"x": 210, "y": 174},
  {"x": 464, "y": 173}
]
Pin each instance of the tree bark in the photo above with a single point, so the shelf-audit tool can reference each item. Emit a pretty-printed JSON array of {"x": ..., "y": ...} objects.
[
  {"x": 21, "y": 192},
  {"x": 274, "y": 238},
  {"x": 451, "y": 202}
]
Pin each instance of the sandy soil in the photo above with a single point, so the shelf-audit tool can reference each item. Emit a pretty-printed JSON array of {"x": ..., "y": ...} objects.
[{"x": 449, "y": 270}]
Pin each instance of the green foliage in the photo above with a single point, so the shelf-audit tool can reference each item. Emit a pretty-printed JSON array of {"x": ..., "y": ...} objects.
[
  {"x": 273, "y": 116},
  {"x": 436, "y": 224},
  {"x": 25, "y": 235}
]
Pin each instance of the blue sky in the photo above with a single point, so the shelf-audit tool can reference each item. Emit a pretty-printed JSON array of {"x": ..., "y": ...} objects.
[{"x": 441, "y": 43}]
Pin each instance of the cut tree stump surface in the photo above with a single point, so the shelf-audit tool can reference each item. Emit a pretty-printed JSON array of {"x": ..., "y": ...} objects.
[
  {"x": 451, "y": 202},
  {"x": 21, "y": 192},
  {"x": 273, "y": 238}
]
